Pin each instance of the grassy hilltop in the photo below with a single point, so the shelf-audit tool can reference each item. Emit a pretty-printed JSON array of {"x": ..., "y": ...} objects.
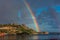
[{"x": 15, "y": 28}]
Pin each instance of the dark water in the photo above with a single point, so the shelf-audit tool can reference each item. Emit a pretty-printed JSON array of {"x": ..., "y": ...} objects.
[
  {"x": 33, "y": 37},
  {"x": 46, "y": 37}
]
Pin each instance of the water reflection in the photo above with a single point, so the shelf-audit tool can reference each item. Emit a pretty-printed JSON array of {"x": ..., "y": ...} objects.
[
  {"x": 30, "y": 37},
  {"x": 22, "y": 37},
  {"x": 15, "y": 37}
]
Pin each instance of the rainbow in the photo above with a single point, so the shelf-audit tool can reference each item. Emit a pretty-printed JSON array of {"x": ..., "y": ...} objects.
[{"x": 33, "y": 17}]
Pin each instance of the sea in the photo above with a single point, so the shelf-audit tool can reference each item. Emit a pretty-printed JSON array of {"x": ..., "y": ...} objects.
[{"x": 31, "y": 37}]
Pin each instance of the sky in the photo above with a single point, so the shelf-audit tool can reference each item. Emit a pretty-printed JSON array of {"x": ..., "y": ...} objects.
[{"x": 15, "y": 11}]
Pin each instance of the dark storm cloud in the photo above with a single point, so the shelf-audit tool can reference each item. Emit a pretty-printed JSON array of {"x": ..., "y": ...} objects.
[
  {"x": 36, "y": 4},
  {"x": 57, "y": 2},
  {"x": 8, "y": 10}
]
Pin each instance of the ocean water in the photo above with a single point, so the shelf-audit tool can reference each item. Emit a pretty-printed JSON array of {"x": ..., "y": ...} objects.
[
  {"x": 32, "y": 37},
  {"x": 46, "y": 37}
]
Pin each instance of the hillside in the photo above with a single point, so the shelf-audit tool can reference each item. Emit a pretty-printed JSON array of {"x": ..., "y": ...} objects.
[{"x": 15, "y": 28}]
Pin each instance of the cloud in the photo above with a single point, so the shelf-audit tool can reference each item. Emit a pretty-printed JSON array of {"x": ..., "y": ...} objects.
[
  {"x": 57, "y": 8},
  {"x": 8, "y": 11}
]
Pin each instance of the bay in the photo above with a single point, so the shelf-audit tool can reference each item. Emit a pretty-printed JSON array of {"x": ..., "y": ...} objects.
[{"x": 32, "y": 37}]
